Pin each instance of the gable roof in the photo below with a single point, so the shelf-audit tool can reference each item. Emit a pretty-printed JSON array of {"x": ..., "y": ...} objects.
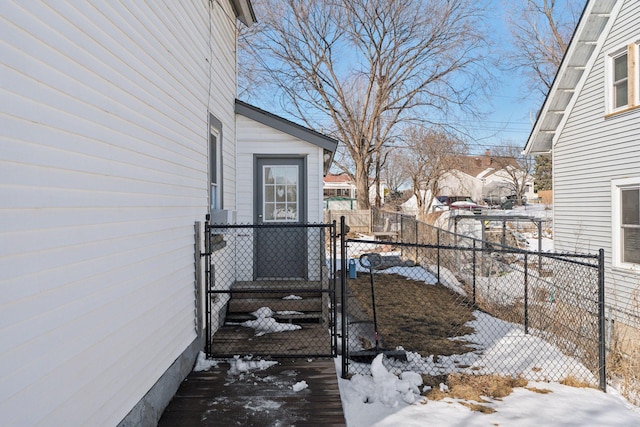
[
  {"x": 286, "y": 126},
  {"x": 328, "y": 144},
  {"x": 483, "y": 165},
  {"x": 588, "y": 38}
]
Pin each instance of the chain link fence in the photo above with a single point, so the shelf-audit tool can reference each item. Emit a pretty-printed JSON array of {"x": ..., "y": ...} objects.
[
  {"x": 441, "y": 303},
  {"x": 270, "y": 290}
]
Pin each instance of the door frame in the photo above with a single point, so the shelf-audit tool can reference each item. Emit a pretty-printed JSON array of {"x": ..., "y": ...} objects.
[{"x": 258, "y": 201}]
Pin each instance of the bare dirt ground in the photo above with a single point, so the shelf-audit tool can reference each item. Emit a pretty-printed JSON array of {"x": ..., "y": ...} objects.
[{"x": 419, "y": 317}]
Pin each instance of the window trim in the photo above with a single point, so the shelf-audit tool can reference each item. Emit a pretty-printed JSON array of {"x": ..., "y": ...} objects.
[
  {"x": 617, "y": 185},
  {"x": 215, "y": 130},
  {"x": 632, "y": 50}
]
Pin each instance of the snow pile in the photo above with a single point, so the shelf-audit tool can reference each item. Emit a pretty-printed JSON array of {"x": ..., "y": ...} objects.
[
  {"x": 240, "y": 366},
  {"x": 385, "y": 387},
  {"x": 265, "y": 324},
  {"x": 204, "y": 364},
  {"x": 299, "y": 386},
  {"x": 292, "y": 297}
]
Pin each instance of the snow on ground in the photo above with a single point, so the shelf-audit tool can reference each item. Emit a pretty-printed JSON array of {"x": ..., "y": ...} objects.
[{"x": 385, "y": 399}]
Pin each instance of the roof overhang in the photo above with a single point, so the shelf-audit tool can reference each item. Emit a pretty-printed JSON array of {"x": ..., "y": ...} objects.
[
  {"x": 328, "y": 144},
  {"x": 244, "y": 11},
  {"x": 588, "y": 38}
]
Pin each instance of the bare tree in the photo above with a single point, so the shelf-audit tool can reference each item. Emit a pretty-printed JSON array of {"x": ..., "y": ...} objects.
[
  {"x": 429, "y": 155},
  {"x": 517, "y": 168},
  {"x": 393, "y": 170},
  {"x": 360, "y": 68},
  {"x": 541, "y": 31}
]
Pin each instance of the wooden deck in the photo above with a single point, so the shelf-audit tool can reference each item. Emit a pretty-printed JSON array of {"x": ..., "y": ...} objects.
[{"x": 259, "y": 398}]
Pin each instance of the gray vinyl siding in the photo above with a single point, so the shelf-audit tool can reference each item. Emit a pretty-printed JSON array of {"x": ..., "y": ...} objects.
[
  {"x": 591, "y": 151},
  {"x": 103, "y": 166}
]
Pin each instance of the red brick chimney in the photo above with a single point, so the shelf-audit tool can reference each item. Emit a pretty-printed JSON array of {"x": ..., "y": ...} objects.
[{"x": 487, "y": 158}]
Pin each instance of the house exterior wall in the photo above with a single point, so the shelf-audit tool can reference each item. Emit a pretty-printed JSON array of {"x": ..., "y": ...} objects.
[
  {"x": 591, "y": 151},
  {"x": 457, "y": 183},
  {"x": 104, "y": 171},
  {"x": 255, "y": 139}
]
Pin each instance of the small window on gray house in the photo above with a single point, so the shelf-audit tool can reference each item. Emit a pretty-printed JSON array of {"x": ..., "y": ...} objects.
[
  {"x": 620, "y": 81},
  {"x": 630, "y": 225}
]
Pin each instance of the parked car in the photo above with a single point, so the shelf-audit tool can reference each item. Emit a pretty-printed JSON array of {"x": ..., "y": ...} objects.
[
  {"x": 460, "y": 202},
  {"x": 504, "y": 202}
]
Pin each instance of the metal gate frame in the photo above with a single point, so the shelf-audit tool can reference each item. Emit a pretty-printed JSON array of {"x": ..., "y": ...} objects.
[{"x": 329, "y": 259}]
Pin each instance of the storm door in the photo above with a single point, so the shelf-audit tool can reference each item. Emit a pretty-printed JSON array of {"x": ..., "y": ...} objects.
[{"x": 280, "y": 194}]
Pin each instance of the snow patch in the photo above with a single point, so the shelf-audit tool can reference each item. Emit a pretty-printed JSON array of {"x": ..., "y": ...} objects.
[
  {"x": 301, "y": 385},
  {"x": 204, "y": 364}
]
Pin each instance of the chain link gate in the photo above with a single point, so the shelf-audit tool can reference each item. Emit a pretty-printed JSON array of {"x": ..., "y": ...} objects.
[{"x": 263, "y": 306}]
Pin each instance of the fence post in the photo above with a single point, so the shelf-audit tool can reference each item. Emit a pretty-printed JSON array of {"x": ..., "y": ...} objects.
[
  {"x": 539, "y": 246},
  {"x": 601, "y": 323},
  {"x": 474, "y": 272},
  {"x": 526, "y": 294},
  {"x": 416, "y": 238},
  {"x": 208, "y": 284},
  {"x": 334, "y": 272},
  {"x": 343, "y": 298},
  {"x": 438, "y": 252}
]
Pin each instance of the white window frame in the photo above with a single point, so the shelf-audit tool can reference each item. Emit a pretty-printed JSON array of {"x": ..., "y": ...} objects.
[
  {"x": 632, "y": 50},
  {"x": 215, "y": 163},
  {"x": 617, "y": 185}
]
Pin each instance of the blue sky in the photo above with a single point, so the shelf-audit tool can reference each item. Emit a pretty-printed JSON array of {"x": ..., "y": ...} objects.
[{"x": 508, "y": 111}]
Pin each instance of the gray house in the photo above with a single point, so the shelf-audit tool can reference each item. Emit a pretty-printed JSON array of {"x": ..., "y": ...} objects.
[{"x": 590, "y": 122}]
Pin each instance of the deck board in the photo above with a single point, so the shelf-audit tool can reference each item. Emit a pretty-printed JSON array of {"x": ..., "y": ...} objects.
[
  {"x": 312, "y": 339},
  {"x": 259, "y": 398}
]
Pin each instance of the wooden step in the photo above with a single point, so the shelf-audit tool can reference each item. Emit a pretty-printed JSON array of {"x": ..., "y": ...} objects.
[
  {"x": 276, "y": 289},
  {"x": 248, "y": 305},
  {"x": 308, "y": 317}
]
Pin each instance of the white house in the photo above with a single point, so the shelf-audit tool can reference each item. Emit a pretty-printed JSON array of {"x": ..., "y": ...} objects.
[
  {"x": 485, "y": 177},
  {"x": 118, "y": 135},
  {"x": 590, "y": 122}
]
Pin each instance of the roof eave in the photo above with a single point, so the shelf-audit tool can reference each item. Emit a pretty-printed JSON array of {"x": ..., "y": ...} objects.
[
  {"x": 571, "y": 74},
  {"x": 244, "y": 11}
]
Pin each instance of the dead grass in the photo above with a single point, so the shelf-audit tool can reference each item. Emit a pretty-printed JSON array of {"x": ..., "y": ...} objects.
[
  {"x": 474, "y": 388},
  {"x": 623, "y": 361},
  {"x": 413, "y": 315},
  {"x": 572, "y": 381},
  {"x": 539, "y": 390}
]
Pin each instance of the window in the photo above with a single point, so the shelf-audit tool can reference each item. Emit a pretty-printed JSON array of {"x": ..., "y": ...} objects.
[
  {"x": 620, "y": 81},
  {"x": 280, "y": 193},
  {"x": 626, "y": 223},
  {"x": 215, "y": 163},
  {"x": 623, "y": 78}
]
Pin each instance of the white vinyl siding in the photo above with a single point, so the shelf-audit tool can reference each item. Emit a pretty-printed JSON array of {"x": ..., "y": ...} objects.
[
  {"x": 593, "y": 150},
  {"x": 104, "y": 167}
]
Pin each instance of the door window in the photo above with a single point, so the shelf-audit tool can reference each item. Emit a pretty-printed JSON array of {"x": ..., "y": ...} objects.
[{"x": 280, "y": 193}]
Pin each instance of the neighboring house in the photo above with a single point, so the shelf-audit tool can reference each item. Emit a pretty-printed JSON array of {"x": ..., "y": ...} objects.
[
  {"x": 341, "y": 186},
  {"x": 484, "y": 177},
  {"x": 590, "y": 122},
  {"x": 118, "y": 135}
]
